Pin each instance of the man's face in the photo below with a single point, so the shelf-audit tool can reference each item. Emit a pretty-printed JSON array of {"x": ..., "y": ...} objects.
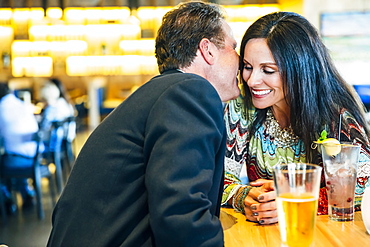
[{"x": 226, "y": 67}]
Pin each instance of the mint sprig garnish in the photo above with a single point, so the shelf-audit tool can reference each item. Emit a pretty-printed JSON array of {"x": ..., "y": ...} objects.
[{"x": 323, "y": 135}]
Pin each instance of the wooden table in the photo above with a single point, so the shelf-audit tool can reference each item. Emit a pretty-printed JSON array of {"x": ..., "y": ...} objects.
[{"x": 239, "y": 232}]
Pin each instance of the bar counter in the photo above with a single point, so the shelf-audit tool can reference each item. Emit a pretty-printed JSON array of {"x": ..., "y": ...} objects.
[{"x": 239, "y": 232}]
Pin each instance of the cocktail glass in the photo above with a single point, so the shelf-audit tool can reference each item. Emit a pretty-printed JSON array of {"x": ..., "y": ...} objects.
[
  {"x": 297, "y": 187},
  {"x": 340, "y": 168}
]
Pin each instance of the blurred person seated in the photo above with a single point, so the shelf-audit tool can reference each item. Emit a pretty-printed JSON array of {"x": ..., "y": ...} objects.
[
  {"x": 57, "y": 108},
  {"x": 17, "y": 128}
]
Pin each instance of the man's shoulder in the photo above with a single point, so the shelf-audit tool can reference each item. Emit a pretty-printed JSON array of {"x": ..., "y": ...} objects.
[
  {"x": 177, "y": 75},
  {"x": 176, "y": 79}
]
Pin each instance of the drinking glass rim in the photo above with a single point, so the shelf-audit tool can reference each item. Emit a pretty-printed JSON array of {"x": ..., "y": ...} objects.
[
  {"x": 343, "y": 144},
  {"x": 316, "y": 167}
]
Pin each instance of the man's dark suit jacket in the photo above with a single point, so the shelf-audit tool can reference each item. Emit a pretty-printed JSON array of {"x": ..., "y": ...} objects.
[{"x": 151, "y": 173}]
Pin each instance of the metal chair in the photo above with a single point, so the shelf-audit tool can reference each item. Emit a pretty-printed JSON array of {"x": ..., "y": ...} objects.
[
  {"x": 39, "y": 170},
  {"x": 2, "y": 199},
  {"x": 53, "y": 149},
  {"x": 68, "y": 157},
  {"x": 58, "y": 149}
]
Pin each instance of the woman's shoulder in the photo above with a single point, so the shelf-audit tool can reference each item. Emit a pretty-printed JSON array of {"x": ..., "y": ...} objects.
[
  {"x": 350, "y": 120},
  {"x": 352, "y": 129}
]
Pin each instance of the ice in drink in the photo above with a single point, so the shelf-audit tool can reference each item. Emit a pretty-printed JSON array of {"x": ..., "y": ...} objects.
[
  {"x": 297, "y": 216},
  {"x": 340, "y": 185}
]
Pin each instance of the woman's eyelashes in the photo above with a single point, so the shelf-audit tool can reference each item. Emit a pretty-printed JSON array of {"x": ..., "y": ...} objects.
[
  {"x": 268, "y": 70},
  {"x": 247, "y": 67},
  {"x": 264, "y": 69}
]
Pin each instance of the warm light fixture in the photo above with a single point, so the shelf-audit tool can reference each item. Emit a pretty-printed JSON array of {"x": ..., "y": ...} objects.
[
  {"x": 63, "y": 49},
  {"x": 74, "y": 16},
  {"x": 104, "y": 39},
  {"x": 250, "y": 12},
  {"x": 115, "y": 15},
  {"x": 143, "y": 47},
  {"x": 151, "y": 18},
  {"x": 6, "y": 38},
  {"x": 6, "y": 16},
  {"x": 110, "y": 65},
  {"x": 21, "y": 48},
  {"x": 40, "y": 48},
  {"x": 97, "y": 40},
  {"x": 93, "y": 15},
  {"x": 23, "y": 17},
  {"x": 39, "y": 32},
  {"x": 54, "y": 13},
  {"x": 32, "y": 66}
]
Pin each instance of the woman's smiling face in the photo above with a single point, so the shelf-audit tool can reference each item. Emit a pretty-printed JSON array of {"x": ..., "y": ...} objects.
[{"x": 262, "y": 75}]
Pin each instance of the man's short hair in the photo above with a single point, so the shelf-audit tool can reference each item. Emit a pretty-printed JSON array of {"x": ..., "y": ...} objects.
[{"x": 183, "y": 28}]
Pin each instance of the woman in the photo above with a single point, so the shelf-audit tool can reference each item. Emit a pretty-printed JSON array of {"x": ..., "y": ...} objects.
[{"x": 291, "y": 92}]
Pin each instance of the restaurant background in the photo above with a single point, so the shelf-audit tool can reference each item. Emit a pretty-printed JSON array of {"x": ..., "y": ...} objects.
[{"x": 102, "y": 50}]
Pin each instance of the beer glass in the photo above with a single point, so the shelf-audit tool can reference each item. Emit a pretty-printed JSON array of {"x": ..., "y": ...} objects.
[{"x": 297, "y": 188}]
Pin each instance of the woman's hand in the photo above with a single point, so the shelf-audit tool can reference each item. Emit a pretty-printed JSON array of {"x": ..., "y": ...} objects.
[{"x": 260, "y": 205}]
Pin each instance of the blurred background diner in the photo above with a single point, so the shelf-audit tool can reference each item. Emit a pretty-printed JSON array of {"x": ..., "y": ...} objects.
[
  {"x": 92, "y": 54},
  {"x": 17, "y": 128}
]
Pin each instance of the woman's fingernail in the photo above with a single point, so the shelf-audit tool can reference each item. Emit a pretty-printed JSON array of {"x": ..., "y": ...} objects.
[
  {"x": 261, "y": 221},
  {"x": 253, "y": 207},
  {"x": 255, "y": 214},
  {"x": 260, "y": 198}
]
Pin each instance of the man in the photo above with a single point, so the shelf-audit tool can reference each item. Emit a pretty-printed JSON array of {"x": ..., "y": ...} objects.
[
  {"x": 151, "y": 173},
  {"x": 17, "y": 128}
]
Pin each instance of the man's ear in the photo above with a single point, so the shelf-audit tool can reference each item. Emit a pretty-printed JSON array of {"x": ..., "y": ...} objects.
[{"x": 208, "y": 50}]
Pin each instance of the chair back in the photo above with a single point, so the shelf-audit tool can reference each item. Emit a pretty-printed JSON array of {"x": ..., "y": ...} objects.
[
  {"x": 67, "y": 127},
  {"x": 1, "y": 145},
  {"x": 41, "y": 137},
  {"x": 2, "y": 197},
  {"x": 2, "y": 150},
  {"x": 38, "y": 170},
  {"x": 54, "y": 135}
]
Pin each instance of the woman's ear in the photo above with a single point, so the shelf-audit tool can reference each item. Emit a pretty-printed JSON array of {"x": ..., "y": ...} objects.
[{"x": 208, "y": 50}]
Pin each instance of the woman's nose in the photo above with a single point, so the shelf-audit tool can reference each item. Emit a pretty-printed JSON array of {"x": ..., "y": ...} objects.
[{"x": 255, "y": 78}]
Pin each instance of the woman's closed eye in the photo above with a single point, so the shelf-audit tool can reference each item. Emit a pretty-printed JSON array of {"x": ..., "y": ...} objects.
[
  {"x": 248, "y": 67},
  {"x": 268, "y": 70},
  {"x": 265, "y": 70}
]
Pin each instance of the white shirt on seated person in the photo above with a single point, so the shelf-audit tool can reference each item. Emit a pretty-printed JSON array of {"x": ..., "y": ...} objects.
[{"x": 17, "y": 126}]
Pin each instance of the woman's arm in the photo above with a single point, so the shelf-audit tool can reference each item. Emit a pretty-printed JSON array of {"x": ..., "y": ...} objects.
[{"x": 255, "y": 201}]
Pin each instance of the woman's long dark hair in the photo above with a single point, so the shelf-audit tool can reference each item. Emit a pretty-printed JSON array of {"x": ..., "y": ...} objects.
[{"x": 314, "y": 90}]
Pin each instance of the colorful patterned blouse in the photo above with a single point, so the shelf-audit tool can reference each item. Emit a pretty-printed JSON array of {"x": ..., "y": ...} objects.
[{"x": 262, "y": 151}]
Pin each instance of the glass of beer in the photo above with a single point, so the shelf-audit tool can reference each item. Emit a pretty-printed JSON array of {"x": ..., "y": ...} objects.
[{"x": 297, "y": 188}]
